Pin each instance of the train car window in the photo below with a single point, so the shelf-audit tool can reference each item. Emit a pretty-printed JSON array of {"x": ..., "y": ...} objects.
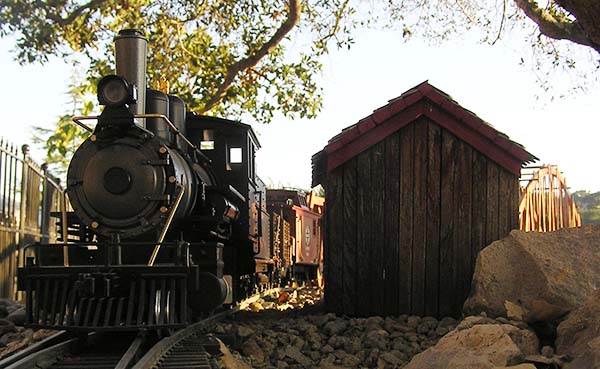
[{"x": 235, "y": 155}]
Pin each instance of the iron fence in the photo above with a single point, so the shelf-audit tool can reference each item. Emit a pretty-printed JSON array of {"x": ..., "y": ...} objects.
[{"x": 28, "y": 194}]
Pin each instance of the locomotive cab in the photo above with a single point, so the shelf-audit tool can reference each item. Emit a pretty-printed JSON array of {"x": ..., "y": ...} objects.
[{"x": 232, "y": 146}]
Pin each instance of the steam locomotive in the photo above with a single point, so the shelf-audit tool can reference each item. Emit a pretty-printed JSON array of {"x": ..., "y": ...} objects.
[{"x": 164, "y": 228}]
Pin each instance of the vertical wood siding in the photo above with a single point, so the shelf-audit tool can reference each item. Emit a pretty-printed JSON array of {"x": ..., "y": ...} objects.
[{"x": 406, "y": 220}]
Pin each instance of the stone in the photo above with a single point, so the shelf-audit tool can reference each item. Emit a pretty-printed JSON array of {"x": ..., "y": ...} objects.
[
  {"x": 376, "y": 339},
  {"x": 6, "y": 326},
  {"x": 314, "y": 355},
  {"x": 413, "y": 321},
  {"x": 578, "y": 336},
  {"x": 3, "y": 312},
  {"x": 295, "y": 354},
  {"x": 350, "y": 361},
  {"x": 340, "y": 354},
  {"x": 441, "y": 331},
  {"x": 298, "y": 342},
  {"x": 327, "y": 349},
  {"x": 535, "y": 276},
  {"x": 252, "y": 349},
  {"x": 520, "y": 366},
  {"x": 352, "y": 345},
  {"x": 482, "y": 346},
  {"x": 255, "y": 306},
  {"x": 375, "y": 321},
  {"x": 547, "y": 351},
  {"x": 390, "y": 358},
  {"x": 447, "y": 322},
  {"x": 244, "y": 332},
  {"x": 335, "y": 327},
  {"x": 17, "y": 317}
]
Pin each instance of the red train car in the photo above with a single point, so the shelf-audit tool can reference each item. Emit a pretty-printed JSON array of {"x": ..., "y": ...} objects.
[{"x": 297, "y": 234}]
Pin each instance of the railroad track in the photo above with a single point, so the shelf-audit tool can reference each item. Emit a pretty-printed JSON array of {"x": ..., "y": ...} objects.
[
  {"x": 94, "y": 351},
  {"x": 187, "y": 348},
  {"x": 190, "y": 347}
]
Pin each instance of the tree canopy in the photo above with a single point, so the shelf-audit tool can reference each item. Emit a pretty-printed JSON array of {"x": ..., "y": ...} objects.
[
  {"x": 225, "y": 57},
  {"x": 258, "y": 57}
]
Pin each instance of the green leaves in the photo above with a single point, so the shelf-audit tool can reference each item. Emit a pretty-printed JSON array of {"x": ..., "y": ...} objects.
[{"x": 212, "y": 53}]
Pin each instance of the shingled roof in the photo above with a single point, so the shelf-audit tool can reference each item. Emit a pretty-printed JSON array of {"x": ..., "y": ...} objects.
[{"x": 423, "y": 100}]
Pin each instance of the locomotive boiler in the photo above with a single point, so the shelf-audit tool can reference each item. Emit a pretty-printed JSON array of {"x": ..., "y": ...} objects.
[{"x": 164, "y": 227}]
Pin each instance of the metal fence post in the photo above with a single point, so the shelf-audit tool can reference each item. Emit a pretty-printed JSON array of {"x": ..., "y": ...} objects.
[{"x": 22, "y": 215}]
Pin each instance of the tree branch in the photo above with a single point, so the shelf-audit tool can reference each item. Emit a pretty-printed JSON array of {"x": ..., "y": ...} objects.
[
  {"x": 75, "y": 13},
  {"x": 336, "y": 26},
  {"x": 555, "y": 28},
  {"x": 252, "y": 60}
]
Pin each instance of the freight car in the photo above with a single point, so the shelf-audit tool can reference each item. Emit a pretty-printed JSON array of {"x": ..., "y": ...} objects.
[
  {"x": 169, "y": 220},
  {"x": 297, "y": 233}
]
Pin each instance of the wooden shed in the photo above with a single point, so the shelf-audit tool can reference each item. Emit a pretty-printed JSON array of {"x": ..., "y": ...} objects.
[{"x": 413, "y": 192}]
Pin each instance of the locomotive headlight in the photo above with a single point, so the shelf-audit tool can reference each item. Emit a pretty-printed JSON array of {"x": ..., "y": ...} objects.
[{"x": 115, "y": 91}]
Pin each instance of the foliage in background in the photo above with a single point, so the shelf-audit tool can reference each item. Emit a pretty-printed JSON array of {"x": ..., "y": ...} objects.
[
  {"x": 62, "y": 141},
  {"x": 589, "y": 206},
  {"x": 253, "y": 58}
]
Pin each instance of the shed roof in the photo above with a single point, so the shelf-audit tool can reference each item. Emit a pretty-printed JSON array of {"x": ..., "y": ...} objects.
[{"x": 431, "y": 102}]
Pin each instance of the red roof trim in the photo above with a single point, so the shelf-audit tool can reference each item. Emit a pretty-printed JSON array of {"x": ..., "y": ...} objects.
[
  {"x": 337, "y": 157},
  {"x": 482, "y": 144},
  {"x": 425, "y": 99}
]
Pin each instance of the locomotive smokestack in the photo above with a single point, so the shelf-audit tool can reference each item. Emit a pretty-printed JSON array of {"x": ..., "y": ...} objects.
[{"x": 130, "y": 55}]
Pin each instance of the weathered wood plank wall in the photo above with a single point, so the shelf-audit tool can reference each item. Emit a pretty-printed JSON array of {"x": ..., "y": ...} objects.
[{"x": 406, "y": 220}]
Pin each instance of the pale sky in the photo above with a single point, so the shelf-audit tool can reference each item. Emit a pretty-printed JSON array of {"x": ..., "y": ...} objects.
[{"x": 484, "y": 79}]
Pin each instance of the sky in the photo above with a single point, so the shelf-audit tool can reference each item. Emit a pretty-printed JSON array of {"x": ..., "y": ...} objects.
[{"x": 487, "y": 80}]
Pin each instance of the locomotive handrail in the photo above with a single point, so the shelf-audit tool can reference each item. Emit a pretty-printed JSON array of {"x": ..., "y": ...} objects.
[
  {"x": 163, "y": 233},
  {"x": 77, "y": 119},
  {"x": 172, "y": 127}
]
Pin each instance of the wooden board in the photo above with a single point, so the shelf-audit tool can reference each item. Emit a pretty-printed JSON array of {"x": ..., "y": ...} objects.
[
  {"x": 432, "y": 250},
  {"x": 405, "y": 209},
  {"x": 478, "y": 205},
  {"x": 505, "y": 202},
  {"x": 419, "y": 217},
  {"x": 378, "y": 226},
  {"x": 335, "y": 223},
  {"x": 349, "y": 228},
  {"x": 392, "y": 202},
  {"x": 447, "y": 224},
  {"x": 463, "y": 190},
  {"x": 491, "y": 233},
  {"x": 364, "y": 283}
]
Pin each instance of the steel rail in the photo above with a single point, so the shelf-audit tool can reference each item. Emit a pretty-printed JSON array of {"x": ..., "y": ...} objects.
[
  {"x": 49, "y": 341},
  {"x": 158, "y": 352},
  {"x": 91, "y": 351}
]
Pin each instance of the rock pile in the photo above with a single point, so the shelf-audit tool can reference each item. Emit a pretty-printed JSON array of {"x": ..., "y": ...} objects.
[
  {"x": 536, "y": 276},
  {"x": 328, "y": 341},
  {"x": 13, "y": 336},
  {"x": 286, "y": 298}
]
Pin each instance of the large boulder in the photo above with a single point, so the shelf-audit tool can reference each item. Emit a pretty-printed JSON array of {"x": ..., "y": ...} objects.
[
  {"x": 578, "y": 336},
  {"x": 482, "y": 346},
  {"x": 536, "y": 276}
]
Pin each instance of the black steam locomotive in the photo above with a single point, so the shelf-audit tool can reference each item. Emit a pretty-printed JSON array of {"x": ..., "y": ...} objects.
[{"x": 163, "y": 228}]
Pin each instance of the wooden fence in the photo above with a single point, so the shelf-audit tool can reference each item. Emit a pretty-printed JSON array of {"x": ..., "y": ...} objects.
[
  {"x": 28, "y": 193},
  {"x": 546, "y": 204}
]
